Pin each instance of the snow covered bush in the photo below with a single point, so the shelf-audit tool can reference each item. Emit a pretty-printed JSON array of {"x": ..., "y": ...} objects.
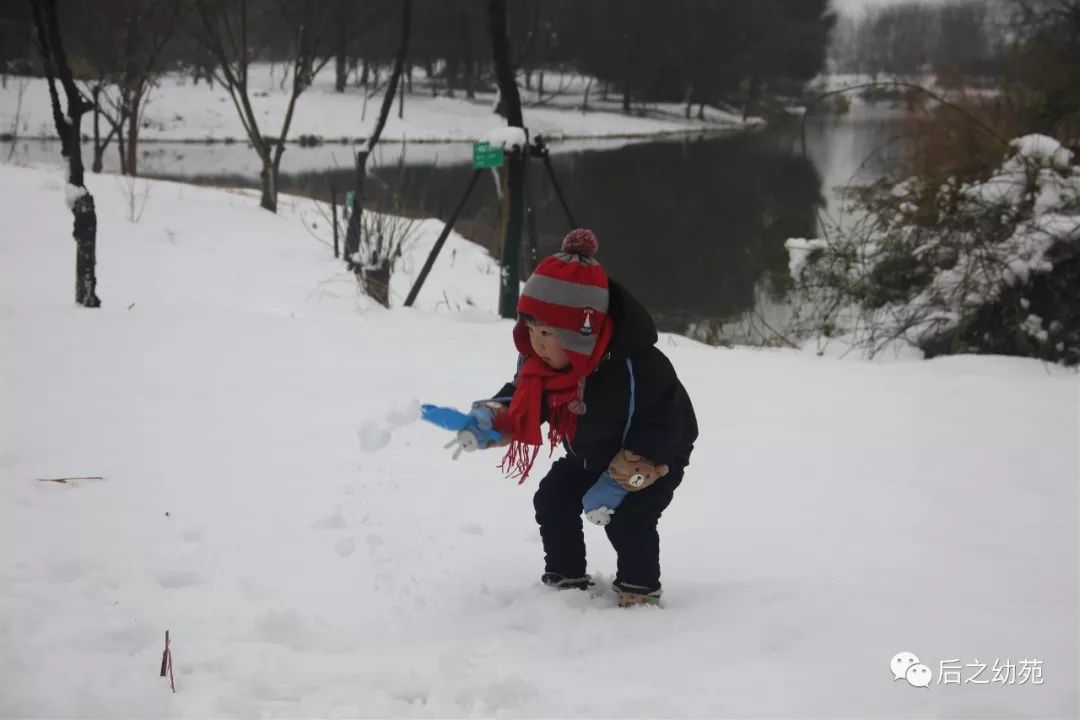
[{"x": 984, "y": 266}]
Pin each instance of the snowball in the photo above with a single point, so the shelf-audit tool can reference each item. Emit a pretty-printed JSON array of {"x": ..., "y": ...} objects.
[{"x": 404, "y": 413}]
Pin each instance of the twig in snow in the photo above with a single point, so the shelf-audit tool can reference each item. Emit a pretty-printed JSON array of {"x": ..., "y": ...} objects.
[{"x": 166, "y": 663}]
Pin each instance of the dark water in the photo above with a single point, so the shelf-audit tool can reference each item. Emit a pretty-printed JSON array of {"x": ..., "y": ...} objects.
[
  {"x": 694, "y": 227},
  {"x": 690, "y": 227}
]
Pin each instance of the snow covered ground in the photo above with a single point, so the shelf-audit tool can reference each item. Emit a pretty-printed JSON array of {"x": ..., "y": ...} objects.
[
  {"x": 267, "y": 497},
  {"x": 180, "y": 110}
]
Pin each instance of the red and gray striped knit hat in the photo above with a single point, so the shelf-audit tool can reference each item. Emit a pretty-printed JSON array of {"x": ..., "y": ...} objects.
[{"x": 568, "y": 291}]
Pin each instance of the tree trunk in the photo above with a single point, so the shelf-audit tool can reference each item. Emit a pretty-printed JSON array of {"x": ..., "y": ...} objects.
[
  {"x": 451, "y": 76},
  {"x": 374, "y": 271},
  {"x": 121, "y": 146},
  {"x": 540, "y": 84},
  {"x": 80, "y": 200},
  {"x": 701, "y": 111},
  {"x": 688, "y": 98},
  {"x": 268, "y": 176},
  {"x": 585, "y": 100},
  {"x": 133, "y": 134},
  {"x": 510, "y": 275},
  {"x": 465, "y": 34},
  {"x": 470, "y": 70},
  {"x": 341, "y": 60},
  {"x": 364, "y": 74},
  {"x": 99, "y": 150},
  {"x": 401, "y": 102},
  {"x": 341, "y": 71},
  {"x": 131, "y": 91},
  {"x": 353, "y": 229}
]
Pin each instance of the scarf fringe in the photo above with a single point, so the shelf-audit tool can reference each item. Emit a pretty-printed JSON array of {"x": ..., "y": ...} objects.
[
  {"x": 518, "y": 460},
  {"x": 520, "y": 456}
]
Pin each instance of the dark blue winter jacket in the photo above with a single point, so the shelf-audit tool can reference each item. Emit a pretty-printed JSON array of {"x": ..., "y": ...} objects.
[{"x": 663, "y": 427}]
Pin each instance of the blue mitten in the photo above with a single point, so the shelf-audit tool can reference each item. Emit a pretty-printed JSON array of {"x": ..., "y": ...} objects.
[
  {"x": 601, "y": 500},
  {"x": 474, "y": 430}
]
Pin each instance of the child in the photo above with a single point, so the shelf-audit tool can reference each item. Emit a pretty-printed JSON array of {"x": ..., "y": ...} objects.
[{"x": 590, "y": 368}]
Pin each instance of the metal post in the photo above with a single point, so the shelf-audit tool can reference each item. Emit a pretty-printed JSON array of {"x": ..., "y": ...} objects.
[
  {"x": 541, "y": 149},
  {"x": 510, "y": 277},
  {"x": 430, "y": 262}
]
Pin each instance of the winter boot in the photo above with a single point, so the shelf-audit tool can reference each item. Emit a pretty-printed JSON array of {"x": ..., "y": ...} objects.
[
  {"x": 634, "y": 595},
  {"x": 560, "y": 582}
]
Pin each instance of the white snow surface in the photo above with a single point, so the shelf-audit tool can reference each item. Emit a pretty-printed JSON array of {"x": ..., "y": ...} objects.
[
  {"x": 177, "y": 109},
  {"x": 505, "y": 136},
  {"x": 266, "y": 497}
]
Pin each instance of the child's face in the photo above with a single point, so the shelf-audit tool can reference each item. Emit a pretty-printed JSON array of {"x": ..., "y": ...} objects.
[{"x": 547, "y": 346}]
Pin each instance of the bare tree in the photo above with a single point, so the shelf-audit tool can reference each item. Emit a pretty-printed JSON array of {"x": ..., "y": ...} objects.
[
  {"x": 123, "y": 49},
  {"x": 368, "y": 256},
  {"x": 502, "y": 52},
  {"x": 225, "y": 33},
  {"x": 148, "y": 26},
  {"x": 79, "y": 199}
]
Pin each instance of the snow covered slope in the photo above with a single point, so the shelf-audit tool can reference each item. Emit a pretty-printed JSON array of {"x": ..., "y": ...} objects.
[{"x": 267, "y": 497}]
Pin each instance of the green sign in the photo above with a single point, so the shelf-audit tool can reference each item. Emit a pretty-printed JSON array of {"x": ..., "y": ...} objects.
[
  {"x": 350, "y": 199},
  {"x": 485, "y": 156}
]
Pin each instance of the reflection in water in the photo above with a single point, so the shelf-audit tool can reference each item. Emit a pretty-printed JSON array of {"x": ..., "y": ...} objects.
[
  {"x": 696, "y": 227},
  {"x": 690, "y": 227}
]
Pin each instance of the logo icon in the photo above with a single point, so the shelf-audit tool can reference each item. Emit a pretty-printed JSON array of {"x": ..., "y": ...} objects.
[
  {"x": 586, "y": 324},
  {"x": 906, "y": 666},
  {"x": 919, "y": 675}
]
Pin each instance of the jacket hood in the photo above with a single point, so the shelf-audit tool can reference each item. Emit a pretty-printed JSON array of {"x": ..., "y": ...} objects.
[{"x": 634, "y": 327}]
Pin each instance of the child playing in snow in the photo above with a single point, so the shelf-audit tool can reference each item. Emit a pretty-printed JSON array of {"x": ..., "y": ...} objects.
[{"x": 589, "y": 366}]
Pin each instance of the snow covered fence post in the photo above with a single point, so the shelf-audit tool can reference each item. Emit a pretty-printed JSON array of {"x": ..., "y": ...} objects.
[{"x": 79, "y": 200}]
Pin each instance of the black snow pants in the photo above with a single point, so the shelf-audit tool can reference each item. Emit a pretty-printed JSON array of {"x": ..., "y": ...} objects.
[{"x": 632, "y": 530}]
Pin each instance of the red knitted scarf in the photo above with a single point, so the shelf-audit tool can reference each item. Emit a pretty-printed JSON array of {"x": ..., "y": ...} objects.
[{"x": 538, "y": 382}]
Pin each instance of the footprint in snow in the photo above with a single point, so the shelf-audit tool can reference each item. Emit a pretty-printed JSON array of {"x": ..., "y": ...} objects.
[
  {"x": 334, "y": 521},
  {"x": 345, "y": 547},
  {"x": 173, "y": 579}
]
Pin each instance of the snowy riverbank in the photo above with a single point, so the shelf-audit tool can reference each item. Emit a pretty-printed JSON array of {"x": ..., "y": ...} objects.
[{"x": 266, "y": 496}]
